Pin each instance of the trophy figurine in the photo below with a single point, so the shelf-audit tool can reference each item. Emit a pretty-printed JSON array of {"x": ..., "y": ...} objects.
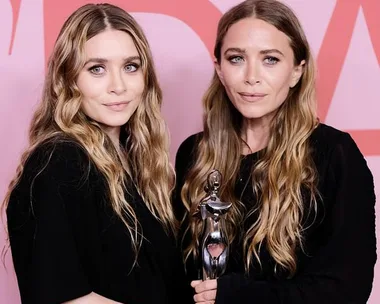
[{"x": 214, "y": 246}]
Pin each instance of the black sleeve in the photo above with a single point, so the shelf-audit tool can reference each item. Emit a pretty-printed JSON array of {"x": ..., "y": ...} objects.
[
  {"x": 342, "y": 269},
  {"x": 44, "y": 214}
]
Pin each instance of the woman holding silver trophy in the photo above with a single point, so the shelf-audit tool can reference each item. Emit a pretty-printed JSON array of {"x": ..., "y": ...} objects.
[{"x": 288, "y": 212}]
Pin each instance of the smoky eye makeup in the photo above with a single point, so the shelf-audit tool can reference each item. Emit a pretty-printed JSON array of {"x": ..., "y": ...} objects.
[{"x": 234, "y": 59}]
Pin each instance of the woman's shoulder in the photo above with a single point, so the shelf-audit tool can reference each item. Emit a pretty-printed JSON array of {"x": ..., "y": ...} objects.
[
  {"x": 326, "y": 139},
  {"x": 56, "y": 172},
  {"x": 60, "y": 157},
  {"x": 186, "y": 153},
  {"x": 60, "y": 148},
  {"x": 190, "y": 142},
  {"x": 337, "y": 150},
  {"x": 187, "y": 148}
]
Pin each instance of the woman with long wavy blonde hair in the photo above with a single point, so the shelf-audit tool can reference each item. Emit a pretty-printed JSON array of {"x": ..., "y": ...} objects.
[
  {"x": 301, "y": 227},
  {"x": 89, "y": 211}
]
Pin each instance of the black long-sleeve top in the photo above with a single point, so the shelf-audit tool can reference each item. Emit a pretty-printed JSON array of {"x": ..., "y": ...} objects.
[
  {"x": 67, "y": 241},
  {"x": 337, "y": 263}
]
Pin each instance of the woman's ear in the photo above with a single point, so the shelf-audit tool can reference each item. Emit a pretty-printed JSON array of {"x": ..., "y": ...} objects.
[
  {"x": 218, "y": 70},
  {"x": 297, "y": 73}
]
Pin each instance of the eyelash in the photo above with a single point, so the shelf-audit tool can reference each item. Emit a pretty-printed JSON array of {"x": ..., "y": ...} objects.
[
  {"x": 93, "y": 68},
  {"x": 273, "y": 60},
  {"x": 232, "y": 58},
  {"x": 135, "y": 65}
]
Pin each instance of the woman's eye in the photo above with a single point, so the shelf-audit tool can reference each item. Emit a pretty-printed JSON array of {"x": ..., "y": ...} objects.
[
  {"x": 131, "y": 68},
  {"x": 236, "y": 59},
  {"x": 271, "y": 60},
  {"x": 97, "y": 70}
]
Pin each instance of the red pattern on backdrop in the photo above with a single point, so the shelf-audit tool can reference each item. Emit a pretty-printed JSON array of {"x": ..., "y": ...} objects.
[
  {"x": 332, "y": 56},
  {"x": 202, "y": 16}
]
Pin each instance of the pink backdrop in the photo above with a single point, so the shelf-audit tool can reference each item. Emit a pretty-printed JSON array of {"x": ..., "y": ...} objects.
[{"x": 344, "y": 35}]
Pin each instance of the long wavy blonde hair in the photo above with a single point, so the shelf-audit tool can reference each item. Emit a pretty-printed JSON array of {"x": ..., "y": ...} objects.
[
  {"x": 60, "y": 115},
  {"x": 285, "y": 167}
]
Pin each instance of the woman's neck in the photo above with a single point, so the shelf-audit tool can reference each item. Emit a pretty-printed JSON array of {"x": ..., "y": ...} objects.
[
  {"x": 255, "y": 134},
  {"x": 114, "y": 134}
]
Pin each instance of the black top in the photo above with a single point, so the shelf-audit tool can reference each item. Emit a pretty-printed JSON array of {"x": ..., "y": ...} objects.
[
  {"x": 340, "y": 246},
  {"x": 66, "y": 241}
]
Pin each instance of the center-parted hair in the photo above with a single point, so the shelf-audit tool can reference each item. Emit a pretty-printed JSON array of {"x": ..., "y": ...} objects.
[
  {"x": 60, "y": 117},
  {"x": 285, "y": 167}
]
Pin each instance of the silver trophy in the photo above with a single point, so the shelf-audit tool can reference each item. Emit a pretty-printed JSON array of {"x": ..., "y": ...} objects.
[{"x": 214, "y": 247}]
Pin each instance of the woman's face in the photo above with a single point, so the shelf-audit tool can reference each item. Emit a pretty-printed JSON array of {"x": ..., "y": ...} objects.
[
  {"x": 257, "y": 68},
  {"x": 111, "y": 81}
]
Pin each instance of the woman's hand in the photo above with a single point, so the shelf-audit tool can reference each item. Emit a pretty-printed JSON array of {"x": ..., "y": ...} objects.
[{"x": 205, "y": 291}]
